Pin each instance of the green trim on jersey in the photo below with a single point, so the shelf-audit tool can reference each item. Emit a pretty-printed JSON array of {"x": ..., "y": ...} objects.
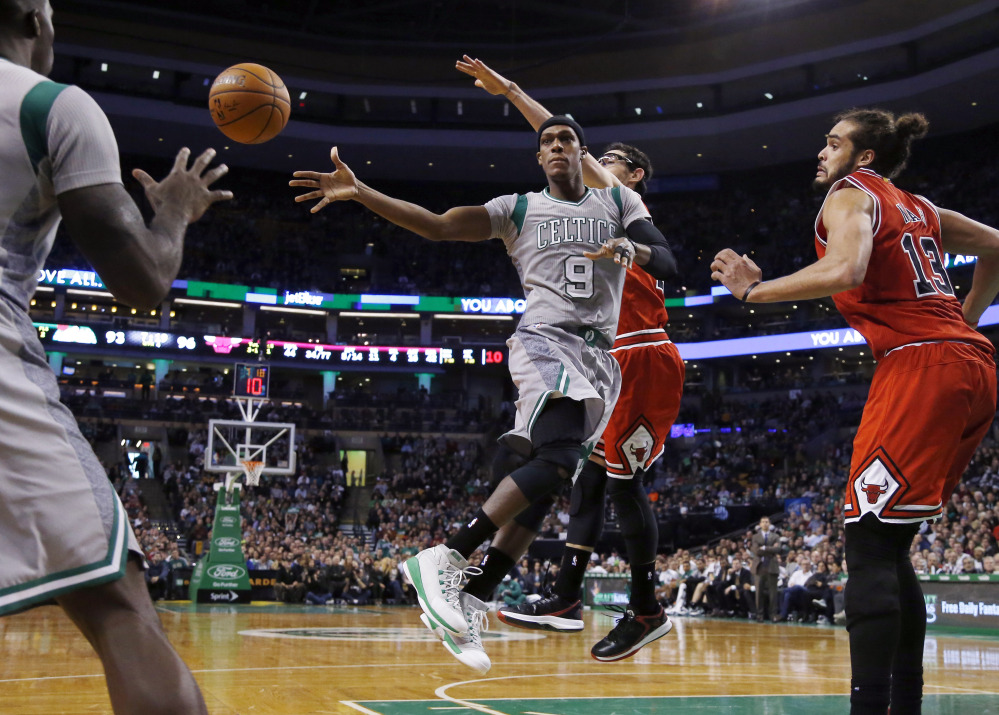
[
  {"x": 586, "y": 194},
  {"x": 616, "y": 193},
  {"x": 519, "y": 213},
  {"x": 538, "y": 406},
  {"x": 35, "y": 110}
]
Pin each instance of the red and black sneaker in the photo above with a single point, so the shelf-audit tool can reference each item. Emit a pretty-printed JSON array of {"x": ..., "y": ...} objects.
[
  {"x": 630, "y": 634},
  {"x": 549, "y": 613}
]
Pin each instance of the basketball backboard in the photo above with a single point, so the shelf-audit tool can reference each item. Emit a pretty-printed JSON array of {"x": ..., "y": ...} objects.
[{"x": 231, "y": 442}]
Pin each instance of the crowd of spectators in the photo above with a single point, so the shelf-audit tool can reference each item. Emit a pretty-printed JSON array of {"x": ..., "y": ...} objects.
[
  {"x": 767, "y": 459},
  {"x": 365, "y": 410}
]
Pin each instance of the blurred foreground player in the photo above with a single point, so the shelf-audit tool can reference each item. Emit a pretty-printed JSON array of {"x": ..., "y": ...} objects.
[
  {"x": 566, "y": 380},
  {"x": 933, "y": 396},
  {"x": 63, "y": 531},
  {"x": 652, "y": 374}
]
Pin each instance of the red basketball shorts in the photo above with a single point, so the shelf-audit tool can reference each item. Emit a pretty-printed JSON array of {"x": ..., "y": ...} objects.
[
  {"x": 928, "y": 408},
  {"x": 651, "y": 387}
]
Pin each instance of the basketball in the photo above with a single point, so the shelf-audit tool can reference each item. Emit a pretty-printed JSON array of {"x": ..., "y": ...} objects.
[{"x": 249, "y": 103}]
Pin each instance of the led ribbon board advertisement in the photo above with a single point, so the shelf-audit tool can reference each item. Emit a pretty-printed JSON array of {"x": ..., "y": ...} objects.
[
  {"x": 311, "y": 353},
  {"x": 961, "y": 601},
  {"x": 175, "y": 345}
]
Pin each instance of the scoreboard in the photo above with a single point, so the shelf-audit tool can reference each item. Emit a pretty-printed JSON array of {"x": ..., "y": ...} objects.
[{"x": 177, "y": 346}]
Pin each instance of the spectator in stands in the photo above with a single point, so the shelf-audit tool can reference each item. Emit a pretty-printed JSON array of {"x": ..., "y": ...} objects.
[
  {"x": 511, "y": 591},
  {"x": 739, "y": 596},
  {"x": 157, "y": 576},
  {"x": 534, "y": 580},
  {"x": 793, "y": 597},
  {"x": 289, "y": 585}
]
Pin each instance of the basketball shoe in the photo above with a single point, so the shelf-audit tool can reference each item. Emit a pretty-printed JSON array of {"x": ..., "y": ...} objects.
[
  {"x": 630, "y": 634},
  {"x": 552, "y": 612},
  {"x": 438, "y": 574},
  {"x": 468, "y": 648}
]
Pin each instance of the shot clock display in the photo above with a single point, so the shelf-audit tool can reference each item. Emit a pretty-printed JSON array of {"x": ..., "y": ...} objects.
[{"x": 252, "y": 380}]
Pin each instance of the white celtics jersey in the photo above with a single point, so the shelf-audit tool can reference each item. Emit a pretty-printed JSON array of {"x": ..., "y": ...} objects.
[
  {"x": 547, "y": 237},
  {"x": 53, "y": 138}
]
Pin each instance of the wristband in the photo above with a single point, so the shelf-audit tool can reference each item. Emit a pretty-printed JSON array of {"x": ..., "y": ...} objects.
[{"x": 749, "y": 290}]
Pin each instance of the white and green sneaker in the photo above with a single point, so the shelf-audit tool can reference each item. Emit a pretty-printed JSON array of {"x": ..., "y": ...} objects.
[
  {"x": 468, "y": 648},
  {"x": 438, "y": 574}
]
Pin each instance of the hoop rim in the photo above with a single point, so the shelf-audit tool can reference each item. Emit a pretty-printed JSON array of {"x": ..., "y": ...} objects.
[{"x": 252, "y": 469}]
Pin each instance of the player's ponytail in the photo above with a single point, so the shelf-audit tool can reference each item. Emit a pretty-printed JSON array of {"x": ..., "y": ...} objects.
[
  {"x": 889, "y": 138},
  {"x": 911, "y": 126}
]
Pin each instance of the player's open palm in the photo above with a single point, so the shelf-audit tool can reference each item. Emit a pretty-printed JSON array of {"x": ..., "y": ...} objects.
[
  {"x": 485, "y": 78},
  {"x": 621, "y": 250},
  {"x": 341, "y": 185},
  {"x": 185, "y": 190}
]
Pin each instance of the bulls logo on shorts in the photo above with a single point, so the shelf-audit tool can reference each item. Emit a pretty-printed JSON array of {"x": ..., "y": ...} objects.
[
  {"x": 877, "y": 488},
  {"x": 637, "y": 447}
]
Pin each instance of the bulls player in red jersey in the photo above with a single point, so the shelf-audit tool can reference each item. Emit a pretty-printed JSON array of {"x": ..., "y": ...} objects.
[
  {"x": 652, "y": 373},
  {"x": 933, "y": 396}
]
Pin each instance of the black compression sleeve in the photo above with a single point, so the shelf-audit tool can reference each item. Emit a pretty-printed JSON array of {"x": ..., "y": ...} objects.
[{"x": 662, "y": 265}]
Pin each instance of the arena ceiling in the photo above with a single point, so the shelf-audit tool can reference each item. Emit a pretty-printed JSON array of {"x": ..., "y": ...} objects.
[{"x": 702, "y": 85}]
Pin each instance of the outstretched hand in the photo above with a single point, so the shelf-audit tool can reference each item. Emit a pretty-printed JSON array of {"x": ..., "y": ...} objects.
[
  {"x": 735, "y": 272},
  {"x": 340, "y": 185},
  {"x": 185, "y": 190},
  {"x": 622, "y": 250},
  {"x": 485, "y": 78}
]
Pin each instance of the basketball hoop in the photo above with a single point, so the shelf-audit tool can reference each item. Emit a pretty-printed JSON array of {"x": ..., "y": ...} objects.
[{"x": 252, "y": 469}]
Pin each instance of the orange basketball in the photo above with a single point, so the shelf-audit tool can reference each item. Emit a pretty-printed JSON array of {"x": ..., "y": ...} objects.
[{"x": 249, "y": 103}]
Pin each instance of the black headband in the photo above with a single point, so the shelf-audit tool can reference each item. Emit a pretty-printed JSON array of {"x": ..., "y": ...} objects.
[{"x": 565, "y": 121}]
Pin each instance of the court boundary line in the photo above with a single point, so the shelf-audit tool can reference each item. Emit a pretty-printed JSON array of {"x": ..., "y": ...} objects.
[
  {"x": 210, "y": 671},
  {"x": 483, "y": 708},
  {"x": 366, "y": 711},
  {"x": 441, "y": 692}
]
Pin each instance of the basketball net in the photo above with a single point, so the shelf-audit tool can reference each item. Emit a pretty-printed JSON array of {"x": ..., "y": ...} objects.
[{"x": 252, "y": 469}]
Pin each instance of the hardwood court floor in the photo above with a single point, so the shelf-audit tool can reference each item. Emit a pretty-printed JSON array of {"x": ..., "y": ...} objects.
[{"x": 270, "y": 660}]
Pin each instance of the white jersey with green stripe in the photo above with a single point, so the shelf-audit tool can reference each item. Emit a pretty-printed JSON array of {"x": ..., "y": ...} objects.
[
  {"x": 53, "y": 138},
  {"x": 546, "y": 239}
]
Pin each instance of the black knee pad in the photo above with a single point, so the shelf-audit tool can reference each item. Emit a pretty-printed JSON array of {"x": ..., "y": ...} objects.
[
  {"x": 873, "y": 552},
  {"x": 871, "y": 591},
  {"x": 537, "y": 479},
  {"x": 534, "y": 516},
  {"x": 634, "y": 515},
  {"x": 586, "y": 505}
]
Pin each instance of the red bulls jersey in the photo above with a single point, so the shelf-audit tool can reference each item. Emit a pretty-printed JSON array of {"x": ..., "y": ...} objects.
[
  {"x": 906, "y": 296},
  {"x": 643, "y": 310}
]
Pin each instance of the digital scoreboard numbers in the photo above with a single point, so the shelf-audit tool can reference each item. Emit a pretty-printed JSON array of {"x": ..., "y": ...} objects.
[{"x": 252, "y": 380}]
